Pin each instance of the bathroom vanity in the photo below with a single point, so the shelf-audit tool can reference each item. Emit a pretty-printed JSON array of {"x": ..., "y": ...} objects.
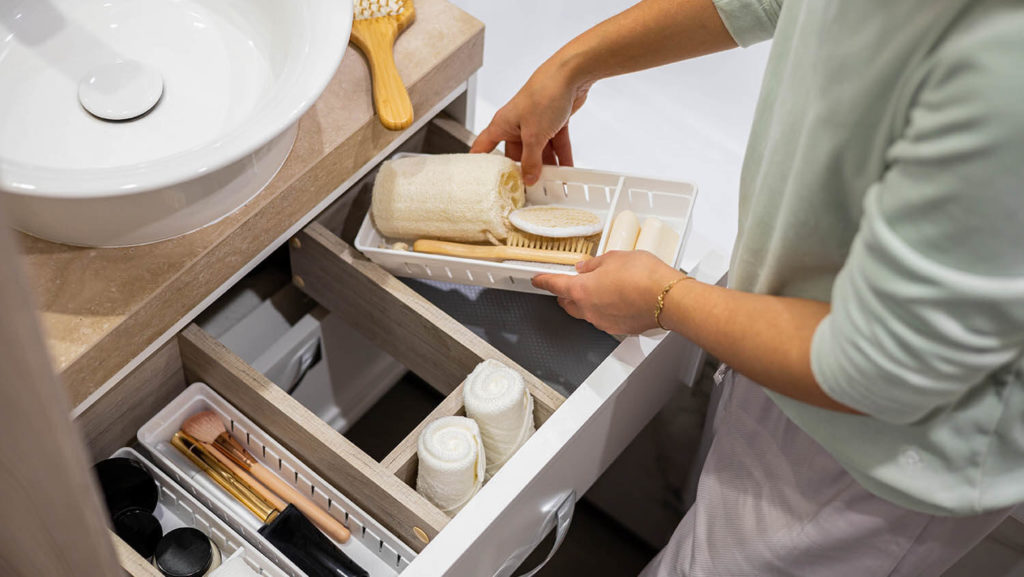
[{"x": 119, "y": 325}]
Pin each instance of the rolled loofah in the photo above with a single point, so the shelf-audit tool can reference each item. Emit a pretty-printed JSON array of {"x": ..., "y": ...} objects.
[
  {"x": 451, "y": 462},
  {"x": 497, "y": 399},
  {"x": 457, "y": 197}
]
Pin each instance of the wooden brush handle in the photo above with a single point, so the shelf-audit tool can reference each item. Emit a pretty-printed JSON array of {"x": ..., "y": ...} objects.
[
  {"x": 376, "y": 38},
  {"x": 329, "y": 525},
  {"x": 497, "y": 252}
]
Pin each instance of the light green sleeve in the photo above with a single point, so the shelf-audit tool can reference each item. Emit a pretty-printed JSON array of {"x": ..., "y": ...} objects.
[
  {"x": 931, "y": 298},
  {"x": 749, "y": 21}
]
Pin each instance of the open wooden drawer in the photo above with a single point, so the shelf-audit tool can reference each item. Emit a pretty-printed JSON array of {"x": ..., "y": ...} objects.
[
  {"x": 579, "y": 435},
  {"x": 418, "y": 323}
]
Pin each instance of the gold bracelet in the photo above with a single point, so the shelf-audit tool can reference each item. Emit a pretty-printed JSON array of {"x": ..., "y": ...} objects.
[{"x": 661, "y": 300}]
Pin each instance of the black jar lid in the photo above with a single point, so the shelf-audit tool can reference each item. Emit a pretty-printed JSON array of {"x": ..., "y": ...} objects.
[
  {"x": 126, "y": 484},
  {"x": 140, "y": 529},
  {"x": 184, "y": 552}
]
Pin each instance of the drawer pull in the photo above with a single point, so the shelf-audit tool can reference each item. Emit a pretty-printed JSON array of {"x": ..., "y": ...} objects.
[{"x": 559, "y": 519}]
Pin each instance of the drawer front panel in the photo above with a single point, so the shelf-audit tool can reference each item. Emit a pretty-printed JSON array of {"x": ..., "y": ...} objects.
[{"x": 506, "y": 520}]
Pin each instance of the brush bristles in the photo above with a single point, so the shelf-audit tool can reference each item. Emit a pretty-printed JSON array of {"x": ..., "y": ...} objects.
[
  {"x": 575, "y": 244},
  {"x": 377, "y": 8},
  {"x": 204, "y": 427}
]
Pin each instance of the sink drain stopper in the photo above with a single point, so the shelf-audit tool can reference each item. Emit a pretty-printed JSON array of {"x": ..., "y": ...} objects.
[{"x": 121, "y": 90}]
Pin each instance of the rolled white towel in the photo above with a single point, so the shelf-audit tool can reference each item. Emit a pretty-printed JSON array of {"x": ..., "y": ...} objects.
[
  {"x": 497, "y": 399},
  {"x": 451, "y": 462}
]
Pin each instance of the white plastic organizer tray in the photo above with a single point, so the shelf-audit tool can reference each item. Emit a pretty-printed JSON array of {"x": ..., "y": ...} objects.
[
  {"x": 371, "y": 546},
  {"x": 176, "y": 508},
  {"x": 604, "y": 193}
]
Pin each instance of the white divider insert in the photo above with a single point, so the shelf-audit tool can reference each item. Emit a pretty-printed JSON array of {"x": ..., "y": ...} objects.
[
  {"x": 371, "y": 546},
  {"x": 176, "y": 508},
  {"x": 604, "y": 193}
]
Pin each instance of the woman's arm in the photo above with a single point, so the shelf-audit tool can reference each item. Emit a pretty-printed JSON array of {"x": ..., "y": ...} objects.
[
  {"x": 534, "y": 124},
  {"x": 767, "y": 338},
  {"x": 651, "y": 33}
]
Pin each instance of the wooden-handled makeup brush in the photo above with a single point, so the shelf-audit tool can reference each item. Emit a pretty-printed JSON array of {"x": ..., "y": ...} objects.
[
  {"x": 376, "y": 26},
  {"x": 207, "y": 427}
]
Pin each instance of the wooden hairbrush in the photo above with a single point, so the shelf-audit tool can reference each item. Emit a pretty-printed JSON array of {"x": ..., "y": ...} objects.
[{"x": 376, "y": 26}]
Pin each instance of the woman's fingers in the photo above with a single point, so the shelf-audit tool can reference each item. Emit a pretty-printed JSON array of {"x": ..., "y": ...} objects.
[
  {"x": 556, "y": 284},
  {"x": 514, "y": 150},
  {"x": 562, "y": 146},
  {"x": 570, "y": 307},
  {"x": 533, "y": 151},
  {"x": 487, "y": 140},
  {"x": 549, "y": 155},
  {"x": 591, "y": 264}
]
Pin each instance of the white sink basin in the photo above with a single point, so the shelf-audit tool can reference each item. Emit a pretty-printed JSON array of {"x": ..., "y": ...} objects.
[{"x": 202, "y": 100}]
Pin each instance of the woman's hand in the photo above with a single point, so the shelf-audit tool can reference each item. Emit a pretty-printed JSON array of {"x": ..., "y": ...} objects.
[
  {"x": 534, "y": 125},
  {"x": 616, "y": 292}
]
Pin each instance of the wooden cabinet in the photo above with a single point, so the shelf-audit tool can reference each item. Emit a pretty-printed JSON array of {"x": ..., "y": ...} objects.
[{"x": 579, "y": 435}]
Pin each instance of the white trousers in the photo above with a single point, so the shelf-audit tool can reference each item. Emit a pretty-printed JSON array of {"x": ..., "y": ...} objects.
[{"x": 771, "y": 502}]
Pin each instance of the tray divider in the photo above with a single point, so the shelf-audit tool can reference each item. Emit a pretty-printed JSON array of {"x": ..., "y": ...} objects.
[
  {"x": 613, "y": 209},
  {"x": 402, "y": 460},
  {"x": 380, "y": 493}
]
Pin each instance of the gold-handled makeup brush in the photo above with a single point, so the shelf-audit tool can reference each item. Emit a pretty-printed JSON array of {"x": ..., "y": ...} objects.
[
  {"x": 268, "y": 495},
  {"x": 203, "y": 457},
  {"x": 208, "y": 428}
]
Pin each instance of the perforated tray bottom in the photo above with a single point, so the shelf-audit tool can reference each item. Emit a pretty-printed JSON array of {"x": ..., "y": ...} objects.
[{"x": 530, "y": 329}]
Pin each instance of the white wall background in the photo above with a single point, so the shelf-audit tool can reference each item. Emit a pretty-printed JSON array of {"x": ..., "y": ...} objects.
[{"x": 686, "y": 121}]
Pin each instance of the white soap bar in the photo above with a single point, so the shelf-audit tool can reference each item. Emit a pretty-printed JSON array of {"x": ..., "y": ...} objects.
[
  {"x": 659, "y": 239},
  {"x": 625, "y": 228}
]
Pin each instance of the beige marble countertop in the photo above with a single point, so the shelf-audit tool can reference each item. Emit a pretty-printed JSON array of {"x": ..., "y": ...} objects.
[{"x": 100, "y": 308}]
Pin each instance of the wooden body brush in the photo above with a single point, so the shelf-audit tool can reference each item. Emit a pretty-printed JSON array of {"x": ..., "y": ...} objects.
[
  {"x": 207, "y": 427},
  {"x": 501, "y": 252},
  {"x": 376, "y": 26}
]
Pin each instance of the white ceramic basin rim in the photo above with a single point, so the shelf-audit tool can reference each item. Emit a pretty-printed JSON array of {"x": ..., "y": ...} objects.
[{"x": 288, "y": 50}]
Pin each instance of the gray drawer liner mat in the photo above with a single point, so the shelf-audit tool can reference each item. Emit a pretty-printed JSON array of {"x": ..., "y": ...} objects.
[{"x": 530, "y": 329}]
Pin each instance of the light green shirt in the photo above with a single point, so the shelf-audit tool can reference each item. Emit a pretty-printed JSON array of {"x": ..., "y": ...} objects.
[{"x": 885, "y": 173}]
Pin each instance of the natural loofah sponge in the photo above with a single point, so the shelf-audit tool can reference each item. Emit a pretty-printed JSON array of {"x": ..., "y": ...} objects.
[{"x": 458, "y": 197}]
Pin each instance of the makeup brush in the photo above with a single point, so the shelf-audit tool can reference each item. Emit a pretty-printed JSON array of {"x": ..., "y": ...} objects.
[
  {"x": 202, "y": 456},
  {"x": 246, "y": 478},
  {"x": 208, "y": 428}
]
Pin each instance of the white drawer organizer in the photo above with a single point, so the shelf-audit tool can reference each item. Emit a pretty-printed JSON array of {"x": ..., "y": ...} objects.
[
  {"x": 371, "y": 546},
  {"x": 176, "y": 508},
  {"x": 604, "y": 193}
]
